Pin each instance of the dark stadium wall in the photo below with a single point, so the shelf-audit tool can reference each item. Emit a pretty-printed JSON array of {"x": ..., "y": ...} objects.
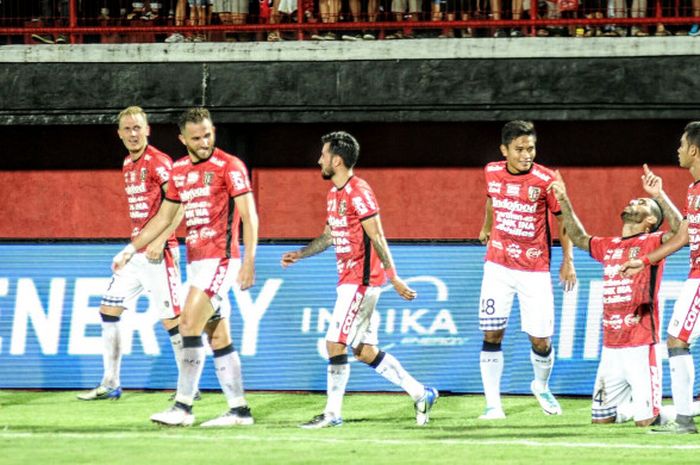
[
  {"x": 440, "y": 90},
  {"x": 428, "y": 203}
]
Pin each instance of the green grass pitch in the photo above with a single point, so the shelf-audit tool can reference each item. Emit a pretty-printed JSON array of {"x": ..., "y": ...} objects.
[{"x": 54, "y": 428}]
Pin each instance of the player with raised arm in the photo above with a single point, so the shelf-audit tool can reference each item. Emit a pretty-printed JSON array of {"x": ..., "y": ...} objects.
[
  {"x": 154, "y": 269},
  {"x": 516, "y": 232},
  {"x": 683, "y": 328},
  {"x": 628, "y": 381},
  {"x": 215, "y": 191},
  {"x": 364, "y": 263}
]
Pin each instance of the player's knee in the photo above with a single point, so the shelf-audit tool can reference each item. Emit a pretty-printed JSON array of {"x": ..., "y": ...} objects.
[
  {"x": 674, "y": 343},
  {"x": 493, "y": 337},
  {"x": 542, "y": 347}
]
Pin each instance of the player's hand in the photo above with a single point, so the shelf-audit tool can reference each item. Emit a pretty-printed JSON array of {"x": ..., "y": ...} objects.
[
  {"x": 652, "y": 184},
  {"x": 557, "y": 186},
  {"x": 567, "y": 275},
  {"x": 122, "y": 258},
  {"x": 631, "y": 267},
  {"x": 246, "y": 276},
  {"x": 402, "y": 289},
  {"x": 290, "y": 258},
  {"x": 484, "y": 236},
  {"x": 154, "y": 252}
]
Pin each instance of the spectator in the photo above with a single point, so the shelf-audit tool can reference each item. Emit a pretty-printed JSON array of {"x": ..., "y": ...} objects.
[
  {"x": 695, "y": 28},
  {"x": 49, "y": 16},
  {"x": 198, "y": 16},
  {"x": 231, "y": 12},
  {"x": 356, "y": 13},
  {"x": 454, "y": 7},
  {"x": 399, "y": 7},
  {"x": 329, "y": 11}
]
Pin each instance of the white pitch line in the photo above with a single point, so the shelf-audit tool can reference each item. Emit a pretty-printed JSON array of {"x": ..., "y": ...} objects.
[{"x": 7, "y": 434}]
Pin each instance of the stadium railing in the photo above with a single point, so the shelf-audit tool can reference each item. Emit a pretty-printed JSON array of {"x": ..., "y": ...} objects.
[{"x": 21, "y": 20}]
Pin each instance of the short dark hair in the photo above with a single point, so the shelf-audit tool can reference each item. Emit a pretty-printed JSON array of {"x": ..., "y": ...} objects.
[
  {"x": 193, "y": 115},
  {"x": 692, "y": 133},
  {"x": 658, "y": 212},
  {"x": 344, "y": 145},
  {"x": 514, "y": 129}
]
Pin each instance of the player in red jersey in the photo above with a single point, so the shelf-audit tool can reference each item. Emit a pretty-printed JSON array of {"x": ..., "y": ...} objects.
[
  {"x": 364, "y": 263},
  {"x": 682, "y": 329},
  {"x": 215, "y": 191},
  {"x": 628, "y": 382},
  {"x": 154, "y": 269},
  {"x": 518, "y": 242}
]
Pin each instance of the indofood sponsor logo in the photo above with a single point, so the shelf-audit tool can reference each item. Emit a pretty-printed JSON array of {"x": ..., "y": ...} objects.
[{"x": 433, "y": 324}]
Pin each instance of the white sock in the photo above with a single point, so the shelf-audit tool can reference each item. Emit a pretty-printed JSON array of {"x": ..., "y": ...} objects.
[
  {"x": 682, "y": 379},
  {"x": 176, "y": 342},
  {"x": 228, "y": 371},
  {"x": 491, "y": 364},
  {"x": 390, "y": 368},
  {"x": 111, "y": 353},
  {"x": 192, "y": 364},
  {"x": 337, "y": 379},
  {"x": 542, "y": 367}
]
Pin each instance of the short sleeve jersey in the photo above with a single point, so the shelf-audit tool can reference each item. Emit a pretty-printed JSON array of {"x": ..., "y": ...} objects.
[
  {"x": 143, "y": 181},
  {"x": 630, "y": 311},
  {"x": 356, "y": 259},
  {"x": 208, "y": 189},
  {"x": 520, "y": 236},
  {"x": 692, "y": 215}
]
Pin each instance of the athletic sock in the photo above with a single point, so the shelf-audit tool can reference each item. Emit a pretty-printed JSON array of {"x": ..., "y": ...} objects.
[
  {"x": 337, "y": 380},
  {"x": 682, "y": 379},
  {"x": 228, "y": 371},
  {"x": 390, "y": 368},
  {"x": 111, "y": 351},
  {"x": 491, "y": 364},
  {"x": 176, "y": 342},
  {"x": 542, "y": 364},
  {"x": 192, "y": 364}
]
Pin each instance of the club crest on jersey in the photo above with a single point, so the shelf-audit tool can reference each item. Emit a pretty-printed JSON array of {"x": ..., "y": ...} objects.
[
  {"x": 143, "y": 174},
  {"x": 342, "y": 208},
  {"x": 208, "y": 176},
  {"x": 533, "y": 193},
  {"x": 634, "y": 253}
]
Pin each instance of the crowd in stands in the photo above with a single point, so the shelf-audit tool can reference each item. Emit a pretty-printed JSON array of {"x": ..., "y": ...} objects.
[{"x": 47, "y": 13}]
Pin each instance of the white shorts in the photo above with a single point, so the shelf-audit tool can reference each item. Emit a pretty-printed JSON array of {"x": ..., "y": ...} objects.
[
  {"x": 534, "y": 289},
  {"x": 627, "y": 374},
  {"x": 354, "y": 320},
  {"x": 683, "y": 324},
  {"x": 215, "y": 277},
  {"x": 160, "y": 282}
]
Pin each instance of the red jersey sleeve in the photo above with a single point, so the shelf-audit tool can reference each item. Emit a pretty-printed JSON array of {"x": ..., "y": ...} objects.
[
  {"x": 364, "y": 202},
  {"x": 236, "y": 176},
  {"x": 597, "y": 248},
  {"x": 172, "y": 194},
  {"x": 161, "y": 168}
]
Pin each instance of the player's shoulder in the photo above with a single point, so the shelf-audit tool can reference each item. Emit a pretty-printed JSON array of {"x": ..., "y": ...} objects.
[
  {"x": 154, "y": 154},
  {"x": 542, "y": 172},
  {"x": 495, "y": 167},
  {"x": 222, "y": 159},
  {"x": 182, "y": 163},
  {"x": 356, "y": 184}
]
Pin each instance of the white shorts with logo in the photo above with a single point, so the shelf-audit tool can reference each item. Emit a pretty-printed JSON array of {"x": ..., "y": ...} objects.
[
  {"x": 160, "y": 281},
  {"x": 215, "y": 277},
  {"x": 627, "y": 374},
  {"x": 354, "y": 320},
  {"x": 534, "y": 290},
  {"x": 684, "y": 321}
]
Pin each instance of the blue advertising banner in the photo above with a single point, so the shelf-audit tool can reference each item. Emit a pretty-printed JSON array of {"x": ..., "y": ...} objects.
[{"x": 50, "y": 326}]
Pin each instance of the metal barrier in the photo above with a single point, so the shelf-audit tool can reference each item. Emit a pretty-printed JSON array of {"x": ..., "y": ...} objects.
[{"x": 117, "y": 21}]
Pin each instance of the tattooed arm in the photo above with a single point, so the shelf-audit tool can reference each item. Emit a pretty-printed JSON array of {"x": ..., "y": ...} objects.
[
  {"x": 314, "y": 247},
  {"x": 373, "y": 229}
]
